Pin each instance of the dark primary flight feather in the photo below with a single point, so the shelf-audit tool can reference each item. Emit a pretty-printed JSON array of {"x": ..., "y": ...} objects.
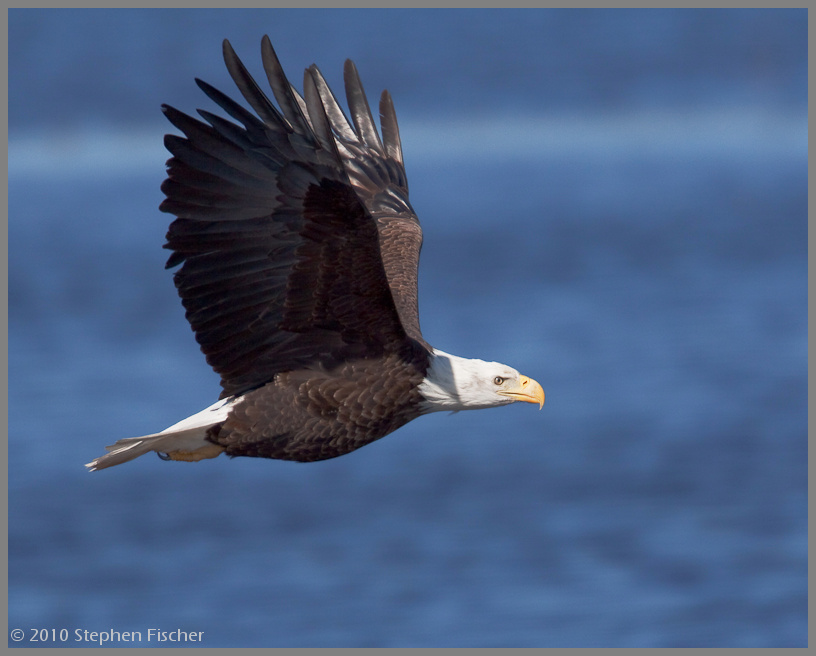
[{"x": 297, "y": 242}]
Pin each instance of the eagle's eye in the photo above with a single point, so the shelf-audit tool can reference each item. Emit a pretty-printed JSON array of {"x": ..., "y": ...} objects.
[{"x": 499, "y": 380}]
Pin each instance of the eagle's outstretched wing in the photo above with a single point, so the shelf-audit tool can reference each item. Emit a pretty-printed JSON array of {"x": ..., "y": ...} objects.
[{"x": 297, "y": 242}]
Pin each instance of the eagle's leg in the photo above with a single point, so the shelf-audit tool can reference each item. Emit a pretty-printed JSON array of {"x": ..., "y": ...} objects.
[{"x": 207, "y": 451}]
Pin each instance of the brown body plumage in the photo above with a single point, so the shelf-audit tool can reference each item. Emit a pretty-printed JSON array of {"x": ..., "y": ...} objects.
[{"x": 313, "y": 414}]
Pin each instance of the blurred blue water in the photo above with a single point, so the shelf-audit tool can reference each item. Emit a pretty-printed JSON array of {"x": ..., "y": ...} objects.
[{"x": 613, "y": 202}]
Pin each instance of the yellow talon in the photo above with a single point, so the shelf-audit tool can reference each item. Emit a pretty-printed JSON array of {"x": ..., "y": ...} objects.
[{"x": 209, "y": 451}]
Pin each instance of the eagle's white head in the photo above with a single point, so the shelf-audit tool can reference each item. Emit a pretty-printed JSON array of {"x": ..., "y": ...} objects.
[{"x": 453, "y": 383}]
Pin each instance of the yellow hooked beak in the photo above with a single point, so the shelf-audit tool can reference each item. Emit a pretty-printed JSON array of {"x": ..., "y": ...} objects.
[{"x": 528, "y": 390}]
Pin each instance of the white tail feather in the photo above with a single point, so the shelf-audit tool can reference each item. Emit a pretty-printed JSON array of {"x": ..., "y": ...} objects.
[{"x": 187, "y": 435}]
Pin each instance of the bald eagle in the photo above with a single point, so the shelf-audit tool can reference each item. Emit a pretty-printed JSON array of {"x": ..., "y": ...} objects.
[{"x": 299, "y": 251}]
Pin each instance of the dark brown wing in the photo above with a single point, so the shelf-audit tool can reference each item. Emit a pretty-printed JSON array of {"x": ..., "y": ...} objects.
[
  {"x": 376, "y": 171},
  {"x": 283, "y": 248}
]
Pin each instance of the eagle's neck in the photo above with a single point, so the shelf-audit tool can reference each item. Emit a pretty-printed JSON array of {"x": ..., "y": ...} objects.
[{"x": 452, "y": 384}]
